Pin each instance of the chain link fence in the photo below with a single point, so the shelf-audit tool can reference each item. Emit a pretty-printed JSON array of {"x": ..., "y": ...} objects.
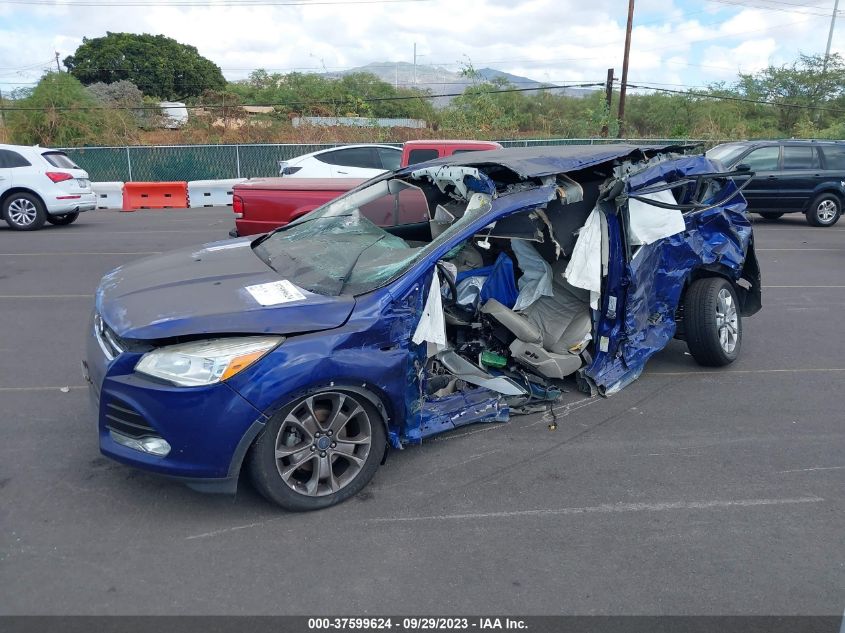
[{"x": 216, "y": 162}]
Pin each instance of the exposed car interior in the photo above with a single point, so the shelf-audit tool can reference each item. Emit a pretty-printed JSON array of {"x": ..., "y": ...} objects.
[{"x": 513, "y": 322}]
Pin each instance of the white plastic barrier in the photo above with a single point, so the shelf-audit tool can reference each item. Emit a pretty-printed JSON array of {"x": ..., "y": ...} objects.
[
  {"x": 211, "y": 193},
  {"x": 109, "y": 194}
]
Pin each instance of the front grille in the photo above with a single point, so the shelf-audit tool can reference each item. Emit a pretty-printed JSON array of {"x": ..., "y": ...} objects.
[
  {"x": 121, "y": 417},
  {"x": 111, "y": 344}
]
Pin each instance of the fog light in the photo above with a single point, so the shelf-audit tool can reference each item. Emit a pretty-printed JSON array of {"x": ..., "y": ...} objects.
[{"x": 157, "y": 446}]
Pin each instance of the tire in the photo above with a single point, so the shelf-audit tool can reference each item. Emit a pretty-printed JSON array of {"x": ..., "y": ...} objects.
[
  {"x": 824, "y": 210},
  {"x": 24, "y": 212},
  {"x": 336, "y": 430},
  {"x": 768, "y": 215},
  {"x": 64, "y": 219},
  {"x": 712, "y": 322}
]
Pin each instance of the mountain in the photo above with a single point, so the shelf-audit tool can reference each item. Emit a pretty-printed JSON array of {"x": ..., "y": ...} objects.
[{"x": 445, "y": 82}]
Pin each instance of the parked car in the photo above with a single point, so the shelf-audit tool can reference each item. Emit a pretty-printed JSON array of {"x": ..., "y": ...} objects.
[
  {"x": 368, "y": 161},
  {"x": 347, "y": 161},
  {"x": 414, "y": 152},
  {"x": 264, "y": 204},
  {"x": 304, "y": 355},
  {"x": 790, "y": 176},
  {"x": 39, "y": 185}
]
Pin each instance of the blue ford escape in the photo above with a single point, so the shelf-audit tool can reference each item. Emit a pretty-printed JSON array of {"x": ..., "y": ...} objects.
[{"x": 304, "y": 355}]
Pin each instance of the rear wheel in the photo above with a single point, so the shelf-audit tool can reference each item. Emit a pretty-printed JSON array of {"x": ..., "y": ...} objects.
[
  {"x": 824, "y": 210},
  {"x": 63, "y": 219},
  {"x": 712, "y": 322},
  {"x": 771, "y": 216},
  {"x": 24, "y": 212},
  {"x": 318, "y": 451}
]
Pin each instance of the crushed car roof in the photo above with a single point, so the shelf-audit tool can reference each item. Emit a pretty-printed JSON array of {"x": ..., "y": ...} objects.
[{"x": 533, "y": 162}]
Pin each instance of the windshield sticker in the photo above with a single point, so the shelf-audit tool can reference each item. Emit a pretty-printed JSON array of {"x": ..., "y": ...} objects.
[{"x": 275, "y": 293}]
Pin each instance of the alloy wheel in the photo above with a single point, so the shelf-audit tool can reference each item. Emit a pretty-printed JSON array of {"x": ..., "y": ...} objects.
[
  {"x": 727, "y": 321},
  {"x": 826, "y": 211},
  {"x": 22, "y": 212},
  {"x": 323, "y": 443}
]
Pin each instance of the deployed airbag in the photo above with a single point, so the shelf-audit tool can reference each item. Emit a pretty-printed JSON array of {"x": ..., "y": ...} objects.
[
  {"x": 649, "y": 223},
  {"x": 584, "y": 268}
]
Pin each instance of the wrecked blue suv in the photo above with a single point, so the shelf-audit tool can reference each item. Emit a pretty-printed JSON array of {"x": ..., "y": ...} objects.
[{"x": 305, "y": 354}]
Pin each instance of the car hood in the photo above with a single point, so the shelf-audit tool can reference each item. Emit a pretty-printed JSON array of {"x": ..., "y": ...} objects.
[{"x": 204, "y": 290}]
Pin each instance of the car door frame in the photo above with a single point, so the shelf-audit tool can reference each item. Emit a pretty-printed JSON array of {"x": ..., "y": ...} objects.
[
  {"x": 797, "y": 186},
  {"x": 763, "y": 192}
]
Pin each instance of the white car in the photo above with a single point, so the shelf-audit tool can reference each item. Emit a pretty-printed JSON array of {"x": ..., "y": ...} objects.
[
  {"x": 348, "y": 161},
  {"x": 39, "y": 185}
]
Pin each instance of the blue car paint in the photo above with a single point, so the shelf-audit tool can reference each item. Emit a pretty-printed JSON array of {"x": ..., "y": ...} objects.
[
  {"x": 192, "y": 290},
  {"x": 364, "y": 344}
]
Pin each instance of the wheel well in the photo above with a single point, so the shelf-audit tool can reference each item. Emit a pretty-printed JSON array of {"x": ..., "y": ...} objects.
[
  {"x": 6, "y": 194},
  {"x": 372, "y": 395},
  {"x": 831, "y": 189}
]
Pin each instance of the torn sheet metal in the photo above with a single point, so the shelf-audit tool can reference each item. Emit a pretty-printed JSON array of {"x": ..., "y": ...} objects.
[
  {"x": 646, "y": 292},
  {"x": 461, "y": 408},
  {"x": 462, "y": 179},
  {"x": 461, "y": 368},
  {"x": 649, "y": 223},
  {"x": 585, "y": 266},
  {"x": 536, "y": 162}
]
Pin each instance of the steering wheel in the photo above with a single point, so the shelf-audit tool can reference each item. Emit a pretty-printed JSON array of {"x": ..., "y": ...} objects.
[{"x": 453, "y": 287}]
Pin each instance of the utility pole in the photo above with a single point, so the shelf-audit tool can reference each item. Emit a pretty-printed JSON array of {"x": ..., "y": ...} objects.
[
  {"x": 624, "y": 87},
  {"x": 830, "y": 34},
  {"x": 415, "y": 63},
  {"x": 608, "y": 100},
  {"x": 58, "y": 68}
]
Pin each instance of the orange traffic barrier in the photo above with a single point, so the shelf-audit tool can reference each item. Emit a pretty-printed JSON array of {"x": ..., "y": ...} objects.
[{"x": 155, "y": 195}]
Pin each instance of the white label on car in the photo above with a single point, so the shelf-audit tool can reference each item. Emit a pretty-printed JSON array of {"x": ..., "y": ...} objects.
[{"x": 275, "y": 293}]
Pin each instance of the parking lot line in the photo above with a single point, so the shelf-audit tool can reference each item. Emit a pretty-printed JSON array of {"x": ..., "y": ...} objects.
[
  {"x": 66, "y": 387},
  {"x": 80, "y": 253},
  {"x": 707, "y": 372},
  {"x": 807, "y": 470},
  {"x": 46, "y": 296},
  {"x": 607, "y": 508}
]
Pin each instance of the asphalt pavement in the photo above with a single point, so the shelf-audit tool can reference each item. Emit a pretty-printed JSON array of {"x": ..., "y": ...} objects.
[{"x": 693, "y": 491}]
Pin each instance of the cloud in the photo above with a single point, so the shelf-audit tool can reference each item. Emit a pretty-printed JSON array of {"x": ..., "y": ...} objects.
[{"x": 675, "y": 41}]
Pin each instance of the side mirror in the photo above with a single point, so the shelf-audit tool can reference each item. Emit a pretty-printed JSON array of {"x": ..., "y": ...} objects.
[{"x": 742, "y": 167}]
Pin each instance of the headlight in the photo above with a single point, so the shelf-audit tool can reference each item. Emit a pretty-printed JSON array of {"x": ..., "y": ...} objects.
[{"x": 205, "y": 362}]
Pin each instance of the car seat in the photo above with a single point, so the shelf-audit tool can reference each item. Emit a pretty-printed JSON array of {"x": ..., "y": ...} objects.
[{"x": 550, "y": 333}]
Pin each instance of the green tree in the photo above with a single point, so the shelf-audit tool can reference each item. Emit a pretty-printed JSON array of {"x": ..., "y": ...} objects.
[
  {"x": 60, "y": 112},
  {"x": 160, "y": 66},
  {"x": 808, "y": 83}
]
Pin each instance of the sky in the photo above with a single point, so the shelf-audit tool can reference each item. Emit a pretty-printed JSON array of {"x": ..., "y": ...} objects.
[{"x": 675, "y": 43}]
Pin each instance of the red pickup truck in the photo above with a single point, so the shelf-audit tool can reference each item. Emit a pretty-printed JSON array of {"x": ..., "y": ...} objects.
[{"x": 263, "y": 204}]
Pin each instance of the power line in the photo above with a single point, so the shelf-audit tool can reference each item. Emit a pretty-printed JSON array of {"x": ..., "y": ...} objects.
[
  {"x": 307, "y": 103},
  {"x": 737, "y": 3},
  {"x": 705, "y": 95}
]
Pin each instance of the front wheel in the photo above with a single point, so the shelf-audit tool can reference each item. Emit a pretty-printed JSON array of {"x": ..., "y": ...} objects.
[
  {"x": 24, "y": 212},
  {"x": 712, "y": 322},
  {"x": 63, "y": 219},
  {"x": 318, "y": 451},
  {"x": 824, "y": 210},
  {"x": 768, "y": 215}
]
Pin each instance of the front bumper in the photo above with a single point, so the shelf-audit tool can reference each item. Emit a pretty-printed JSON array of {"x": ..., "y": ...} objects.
[{"x": 209, "y": 429}]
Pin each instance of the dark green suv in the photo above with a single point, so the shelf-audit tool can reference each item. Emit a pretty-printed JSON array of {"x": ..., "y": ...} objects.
[{"x": 790, "y": 176}]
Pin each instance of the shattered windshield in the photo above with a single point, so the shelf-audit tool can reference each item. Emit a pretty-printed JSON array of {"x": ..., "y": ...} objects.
[{"x": 336, "y": 249}]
